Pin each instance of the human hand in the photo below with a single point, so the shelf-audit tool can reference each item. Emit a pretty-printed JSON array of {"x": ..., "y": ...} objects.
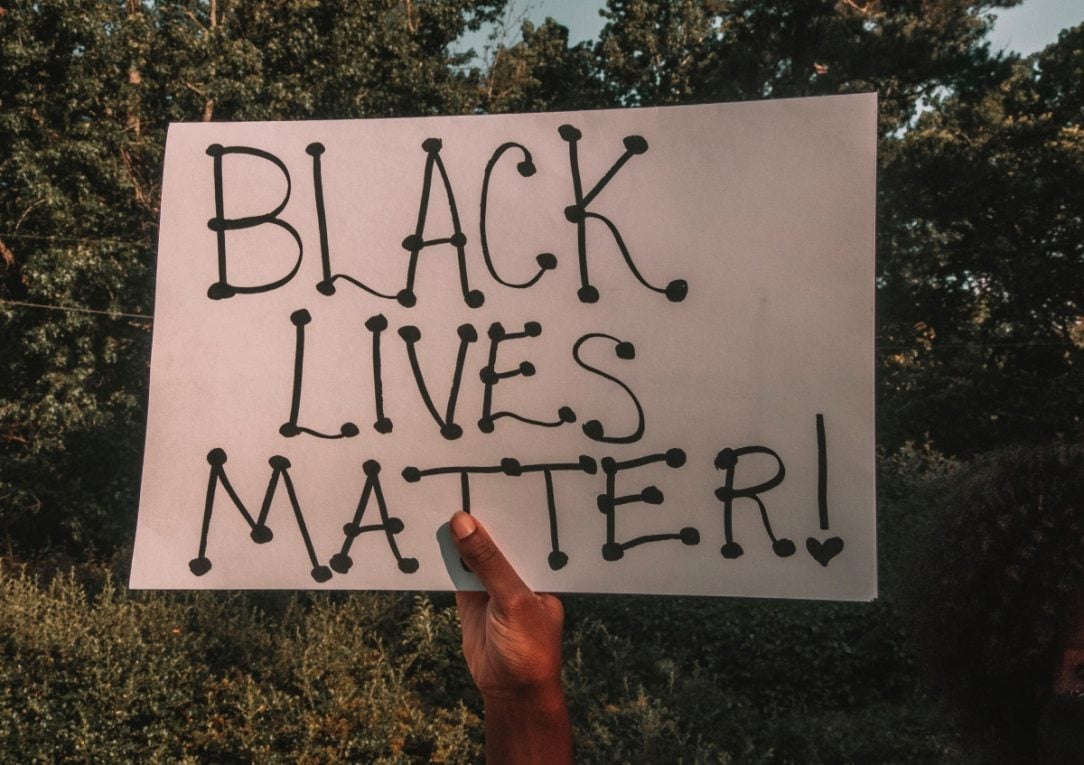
[{"x": 512, "y": 645}]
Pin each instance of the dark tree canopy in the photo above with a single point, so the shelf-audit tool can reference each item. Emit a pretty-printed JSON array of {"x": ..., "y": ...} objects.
[
  {"x": 982, "y": 262},
  {"x": 979, "y": 251},
  {"x": 725, "y": 50}
]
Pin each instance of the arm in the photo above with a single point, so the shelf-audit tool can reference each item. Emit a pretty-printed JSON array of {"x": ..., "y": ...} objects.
[{"x": 512, "y": 644}]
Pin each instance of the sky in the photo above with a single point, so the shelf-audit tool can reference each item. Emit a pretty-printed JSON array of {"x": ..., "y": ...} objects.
[
  {"x": 1024, "y": 29},
  {"x": 1034, "y": 24}
]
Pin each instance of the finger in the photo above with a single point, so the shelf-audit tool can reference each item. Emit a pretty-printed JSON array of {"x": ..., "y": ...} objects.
[{"x": 485, "y": 559}]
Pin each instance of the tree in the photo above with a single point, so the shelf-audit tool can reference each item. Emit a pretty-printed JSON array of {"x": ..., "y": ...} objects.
[
  {"x": 656, "y": 53},
  {"x": 980, "y": 213},
  {"x": 542, "y": 73},
  {"x": 87, "y": 89},
  {"x": 982, "y": 260},
  {"x": 76, "y": 201},
  {"x": 979, "y": 240}
]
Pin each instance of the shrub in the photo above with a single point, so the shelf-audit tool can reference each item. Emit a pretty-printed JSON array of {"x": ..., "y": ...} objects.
[{"x": 92, "y": 672}]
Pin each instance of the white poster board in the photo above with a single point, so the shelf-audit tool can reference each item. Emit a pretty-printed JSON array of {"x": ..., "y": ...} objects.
[{"x": 638, "y": 344}]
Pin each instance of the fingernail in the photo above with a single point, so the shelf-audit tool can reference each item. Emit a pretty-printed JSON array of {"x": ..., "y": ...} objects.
[{"x": 462, "y": 525}]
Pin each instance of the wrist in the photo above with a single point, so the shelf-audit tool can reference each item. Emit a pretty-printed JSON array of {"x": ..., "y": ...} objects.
[
  {"x": 528, "y": 727},
  {"x": 543, "y": 698}
]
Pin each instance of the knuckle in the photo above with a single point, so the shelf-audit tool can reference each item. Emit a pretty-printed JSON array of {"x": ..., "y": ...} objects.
[
  {"x": 519, "y": 602},
  {"x": 482, "y": 553}
]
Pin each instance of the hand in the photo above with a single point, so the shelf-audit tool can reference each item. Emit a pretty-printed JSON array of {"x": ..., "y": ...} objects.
[{"x": 512, "y": 644}]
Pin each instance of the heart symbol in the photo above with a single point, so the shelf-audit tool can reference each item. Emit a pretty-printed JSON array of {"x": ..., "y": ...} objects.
[{"x": 823, "y": 552}]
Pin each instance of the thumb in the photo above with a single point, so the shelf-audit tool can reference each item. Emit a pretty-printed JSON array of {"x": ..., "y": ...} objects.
[{"x": 485, "y": 559}]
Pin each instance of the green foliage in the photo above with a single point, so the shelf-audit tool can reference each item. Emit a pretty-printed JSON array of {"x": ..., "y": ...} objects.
[
  {"x": 723, "y": 50},
  {"x": 542, "y": 73},
  {"x": 91, "y": 672},
  {"x": 982, "y": 251},
  {"x": 87, "y": 89},
  {"x": 980, "y": 327},
  {"x": 980, "y": 324},
  {"x": 76, "y": 223}
]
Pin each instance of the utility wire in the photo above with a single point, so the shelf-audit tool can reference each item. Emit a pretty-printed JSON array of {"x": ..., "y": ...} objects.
[
  {"x": 75, "y": 239},
  {"x": 878, "y": 348},
  {"x": 73, "y": 309}
]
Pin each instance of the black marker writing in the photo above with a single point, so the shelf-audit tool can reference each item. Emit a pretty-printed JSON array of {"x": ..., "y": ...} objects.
[
  {"x": 261, "y": 533},
  {"x": 578, "y": 213},
  {"x": 220, "y": 224},
  {"x": 609, "y": 502},
  {"x": 327, "y": 285},
  {"x": 727, "y": 460},
  {"x": 467, "y": 335},
  {"x": 413, "y": 475},
  {"x": 593, "y": 429},
  {"x": 490, "y": 377},
  {"x": 341, "y": 561},
  {"x": 512, "y": 468},
  {"x": 290, "y": 429},
  {"x": 556, "y": 558},
  {"x": 823, "y": 552},
  {"x": 822, "y": 473},
  {"x": 377, "y": 324},
  {"x": 546, "y": 260},
  {"x": 416, "y": 242}
]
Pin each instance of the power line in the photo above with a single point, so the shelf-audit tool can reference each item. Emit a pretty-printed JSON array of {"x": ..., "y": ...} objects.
[
  {"x": 73, "y": 239},
  {"x": 74, "y": 309},
  {"x": 878, "y": 348}
]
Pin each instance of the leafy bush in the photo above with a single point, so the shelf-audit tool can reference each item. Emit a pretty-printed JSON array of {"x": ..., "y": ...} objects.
[
  {"x": 92, "y": 672},
  {"x": 96, "y": 674}
]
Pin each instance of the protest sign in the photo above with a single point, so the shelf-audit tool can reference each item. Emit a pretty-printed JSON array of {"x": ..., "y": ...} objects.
[{"x": 638, "y": 344}]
